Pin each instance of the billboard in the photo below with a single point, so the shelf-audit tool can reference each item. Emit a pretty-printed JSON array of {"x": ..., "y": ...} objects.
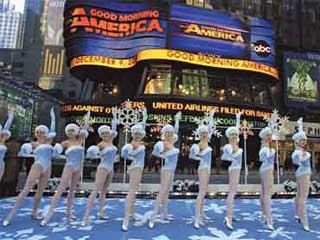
[
  {"x": 53, "y": 54},
  {"x": 111, "y": 29},
  {"x": 220, "y": 34},
  {"x": 54, "y": 24},
  {"x": 302, "y": 75},
  {"x": 167, "y": 108},
  {"x": 119, "y": 35}
]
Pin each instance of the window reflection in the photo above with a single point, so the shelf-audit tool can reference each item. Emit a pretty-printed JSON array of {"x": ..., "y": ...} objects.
[
  {"x": 200, "y": 83},
  {"x": 158, "y": 80}
]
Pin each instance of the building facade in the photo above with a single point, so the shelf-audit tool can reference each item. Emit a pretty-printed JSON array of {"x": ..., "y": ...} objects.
[
  {"x": 11, "y": 27},
  {"x": 177, "y": 78}
]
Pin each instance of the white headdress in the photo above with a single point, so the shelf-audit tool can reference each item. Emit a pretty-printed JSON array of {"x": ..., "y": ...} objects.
[
  {"x": 50, "y": 133},
  {"x": 202, "y": 128},
  {"x": 107, "y": 129},
  {"x": 264, "y": 132},
  {"x": 300, "y": 134},
  {"x": 169, "y": 127},
  {"x": 72, "y": 126},
  {"x": 236, "y": 128},
  {"x": 140, "y": 127}
]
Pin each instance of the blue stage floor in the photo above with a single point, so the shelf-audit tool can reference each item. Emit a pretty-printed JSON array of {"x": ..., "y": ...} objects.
[{"x": 248, "y": 210}]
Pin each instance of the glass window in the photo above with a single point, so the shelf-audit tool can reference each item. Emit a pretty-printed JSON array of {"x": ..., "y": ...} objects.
[
  {"x": 191, "y": 82},
  {"x": 217, "y": 88},
  {"x": 200, "y": 3},
  {"x": 260, "y": 93},
  {"x": 199, "y": 83},
  {"x": 239, "y": 90},
  {"x": 158, "y": 80}
]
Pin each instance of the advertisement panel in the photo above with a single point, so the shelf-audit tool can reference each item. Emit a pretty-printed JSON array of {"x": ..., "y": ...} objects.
[
  {"x": 221, "y": 34},
  {"x": 110, "y": 29},
  {"x": 119, "y": 35},
  {"x": 54, "y": 24},
  {"x": 167, "y": 108},
  {"x": 53, "y": 54},
  {"x": 302, "y": 75}
]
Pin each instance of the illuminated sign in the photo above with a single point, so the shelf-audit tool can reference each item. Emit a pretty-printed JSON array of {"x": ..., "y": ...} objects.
[
  {"x": 212, "y": 32},
  {"x": 119, "y": 35},
  {"x": 166, "y": 106},
  {"x": 198, "y": 59},
  {"x": 114, "y": 25},
  {"x": 262, "y": 48},
  {"x": 153, "y": 118},
  {"x": 199, "y": 30}
]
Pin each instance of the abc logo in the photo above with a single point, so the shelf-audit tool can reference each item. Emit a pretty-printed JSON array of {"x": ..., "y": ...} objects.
[{"x": 261, "y": 48}]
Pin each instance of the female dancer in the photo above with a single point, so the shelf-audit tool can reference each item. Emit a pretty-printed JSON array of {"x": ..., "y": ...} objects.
[
  {"x": 232, "y": 153},
  {"x": 106, "y": 151},
  {"x": 166, "y": 150},
  {"x": 301, "y": 158},
  {"x": 134, "y": 151},
  {"x": 40, "y": 170},
  {"x": 202, "y": 152},
  {"x": 74, "y": 152},
  {"x": 5, "y": 134},
  {"x": 266, "y": 156}
]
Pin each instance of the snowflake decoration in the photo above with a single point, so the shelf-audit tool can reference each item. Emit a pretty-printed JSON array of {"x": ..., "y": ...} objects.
[
  {"x": 314, "y": 212},
  {"x": 217, "y": 209},
  {"x": 205, "y": 121},
  {"x": 161, "y": 237},
  {"x": 252, "y": 216},
  {"x": 21, "y": 234},
  {"x": 220, "y": 235},
  {"x": 278, "y": 124},
  {"x": 128, "y": 116},
  {"x": 279, "y": 233},
  {"x": 190, "y": 220}
]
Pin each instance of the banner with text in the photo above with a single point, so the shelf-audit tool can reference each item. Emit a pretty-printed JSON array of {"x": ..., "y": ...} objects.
[{"x": 119, "y": 35}]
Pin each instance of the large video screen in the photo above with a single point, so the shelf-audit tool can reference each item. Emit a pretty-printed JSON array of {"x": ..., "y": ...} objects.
[{"x": 119, "y": 35}]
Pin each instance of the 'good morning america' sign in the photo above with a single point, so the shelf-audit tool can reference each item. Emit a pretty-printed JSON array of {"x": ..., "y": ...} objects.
[{"x": 118, "y": 35}]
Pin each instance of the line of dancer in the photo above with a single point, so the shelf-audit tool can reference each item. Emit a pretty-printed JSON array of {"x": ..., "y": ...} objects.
[{"x": 43, "y": 151}]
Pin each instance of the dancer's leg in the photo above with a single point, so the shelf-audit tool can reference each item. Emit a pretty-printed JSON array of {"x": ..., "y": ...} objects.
[
  {"x": 102, "y": 197},
  {"x": 135, "y": 179},
  {"x": 298, "y": 196},
  {"x": 165, "y": 181},
  {"x": 101, "y": 176},
  {"x": 42, "y": 184},
  {"x": 233, "y": 184},
  {"x": 73, "y": 185},
  {"x": 166, "y": 198},
  {"x": 203, "y": 188},
  {"x": 305, "y": 185},
  {"x": 268, "y": 182},
  {"x": 65, "y": 179},
  {"x": 262, "y": 195},
  {"x": 32, "y": 178}
]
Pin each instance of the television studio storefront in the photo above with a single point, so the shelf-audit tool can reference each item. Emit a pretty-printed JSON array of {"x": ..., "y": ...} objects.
[{"x": 169, "y": 58}]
